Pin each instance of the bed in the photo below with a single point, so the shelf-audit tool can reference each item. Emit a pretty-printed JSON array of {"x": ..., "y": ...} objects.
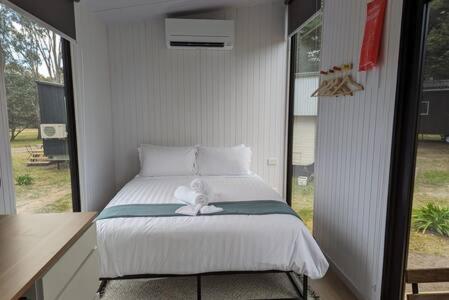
[{"x": 144, "y": 247}]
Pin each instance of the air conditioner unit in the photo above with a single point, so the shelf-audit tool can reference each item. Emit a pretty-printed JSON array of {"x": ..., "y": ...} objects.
[
  {"x": 196, "y": 33},
  {"x": 53, "y": 131}
]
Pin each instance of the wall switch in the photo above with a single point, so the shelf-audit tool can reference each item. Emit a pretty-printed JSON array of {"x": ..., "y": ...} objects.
[{"x": 272, "y": 161}]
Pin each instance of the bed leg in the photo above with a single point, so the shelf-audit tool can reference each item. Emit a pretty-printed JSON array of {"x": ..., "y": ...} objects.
[
  {"x": 302, "y": 293},
  {"x": 294, "y": 282},
  {"x": 198, "y": 287},
  {"x": 305, "y": 287},
  {"x": 102, "y": 288}
]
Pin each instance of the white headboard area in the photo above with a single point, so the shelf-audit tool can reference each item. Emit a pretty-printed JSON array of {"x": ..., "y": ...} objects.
[{"x": 200, "y": 96}]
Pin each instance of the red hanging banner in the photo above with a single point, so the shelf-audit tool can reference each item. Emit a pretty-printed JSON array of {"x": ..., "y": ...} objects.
[{"x": 372, "y": 38}]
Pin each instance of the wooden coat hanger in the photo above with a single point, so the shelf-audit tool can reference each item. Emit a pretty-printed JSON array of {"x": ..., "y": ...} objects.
[
  {"x": 322, "y": 86},
  {"x": 346, "y": 82},
  {"x": 331, "y": 83},
  {"x": 339, "y": 88}
]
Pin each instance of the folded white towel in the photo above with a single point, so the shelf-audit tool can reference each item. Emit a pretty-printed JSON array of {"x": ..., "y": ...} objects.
[
  {"x": 210, "y": 209},
  {"x": 190, "y": 210},
  {"x": 189, "y": 196},
  {"x": 199, "y": 186}
]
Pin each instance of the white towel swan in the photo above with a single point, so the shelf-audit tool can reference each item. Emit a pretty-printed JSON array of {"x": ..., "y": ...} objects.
[
  {"x": 199, "y": 186},
  {"x": 197, "y": 199},
  {"x": 190, "y": 197},
  {"x": 210, "y": 209},
  {"x": 190, "y": 210}
]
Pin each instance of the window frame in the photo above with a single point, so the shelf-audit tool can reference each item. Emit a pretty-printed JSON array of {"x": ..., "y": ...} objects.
[
  {"x": 404, "y": 147},
  {"x": 71, "y": 125}
]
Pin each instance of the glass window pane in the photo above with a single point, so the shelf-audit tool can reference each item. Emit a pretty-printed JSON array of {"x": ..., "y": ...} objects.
[
  {"x": 307, "y": 64},
  {"x": 36, "y": 113},
  {"x": 429, "y": 234}
]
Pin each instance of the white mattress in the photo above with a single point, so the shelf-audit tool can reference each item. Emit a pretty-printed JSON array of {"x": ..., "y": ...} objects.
[{"x": 199, "y": 244}]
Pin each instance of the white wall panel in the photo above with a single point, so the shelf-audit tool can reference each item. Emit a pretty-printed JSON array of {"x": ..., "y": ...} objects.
[
  {"x": 305, "y": 105},
  {"x": 210, "y": 97},
  {"x": 7, "y": 194},
  {"x": 93, "y": 110},
  {"x": 354, "y": 144},
  {"x": 304, "y": 140}
]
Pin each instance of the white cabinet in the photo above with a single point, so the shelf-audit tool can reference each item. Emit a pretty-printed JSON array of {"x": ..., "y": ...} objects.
[{"x": 75, "y": 275}]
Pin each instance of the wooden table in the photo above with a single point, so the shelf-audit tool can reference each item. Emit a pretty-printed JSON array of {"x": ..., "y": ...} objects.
[{"x": 30, "y": 245}]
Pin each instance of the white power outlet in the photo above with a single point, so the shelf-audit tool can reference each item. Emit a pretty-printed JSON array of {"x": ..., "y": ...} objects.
[{"x": 272, "y": 161}]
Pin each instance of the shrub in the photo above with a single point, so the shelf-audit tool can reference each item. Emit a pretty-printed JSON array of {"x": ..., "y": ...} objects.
[
  {"x": 24, "y": 179},
  {"x": 433, "y": 218}
]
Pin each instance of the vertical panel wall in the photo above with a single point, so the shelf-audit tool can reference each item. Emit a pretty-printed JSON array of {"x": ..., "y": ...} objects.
[
  {"x": 211, "y": 97},
  {"x": 93, "y": 110},
  {"x": 7, "y": 194},
  {"x": 354, "y": 144}
]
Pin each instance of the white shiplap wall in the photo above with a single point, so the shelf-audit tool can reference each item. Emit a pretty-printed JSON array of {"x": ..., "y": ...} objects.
[
  {"x": 210, "y": 97},
  {"x": 353, "y": 148},
  {"x": 7, "y": 194},
  {"x": 305, "y": 105},
  {"x": 93, "y": 110}
]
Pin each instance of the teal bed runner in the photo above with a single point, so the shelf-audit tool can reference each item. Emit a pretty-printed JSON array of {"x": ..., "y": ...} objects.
[{"x": 259, "y": 207}]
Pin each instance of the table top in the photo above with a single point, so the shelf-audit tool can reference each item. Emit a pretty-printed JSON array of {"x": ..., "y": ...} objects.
[{"x": 31, "y": 244}]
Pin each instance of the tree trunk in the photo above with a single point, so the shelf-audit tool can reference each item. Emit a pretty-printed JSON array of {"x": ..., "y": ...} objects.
[{"x": 13, "y": 134}]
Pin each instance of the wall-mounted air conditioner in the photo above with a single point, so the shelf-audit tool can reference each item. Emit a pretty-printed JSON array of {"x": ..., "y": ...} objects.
[
  {"x": 53, "y": 131},
  {"x": 198, "y": 33}
]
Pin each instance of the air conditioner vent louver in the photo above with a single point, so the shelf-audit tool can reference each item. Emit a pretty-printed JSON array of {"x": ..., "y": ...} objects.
[
  {"x": 199, "y": 33},
  {"x": 197, "y": 44}
]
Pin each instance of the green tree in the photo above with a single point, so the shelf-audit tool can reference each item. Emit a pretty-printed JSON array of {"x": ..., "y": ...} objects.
[
  {"x": 437, "y": 44},
  {"x": 22, "y": 102},
  {"x": 28, "y": 47}
]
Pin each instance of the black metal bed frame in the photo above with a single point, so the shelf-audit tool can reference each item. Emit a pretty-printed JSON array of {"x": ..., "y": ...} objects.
[{"x": 302, "y": 293}]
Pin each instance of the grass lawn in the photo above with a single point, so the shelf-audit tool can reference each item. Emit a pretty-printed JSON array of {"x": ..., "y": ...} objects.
[
  {"x": 431, "y": 185},
  {"x": 50, "y": 190},
  {"x": 26, "y": 137},
  {"x": 427, "y": 250},
  {"x": 302, "y": 202}
]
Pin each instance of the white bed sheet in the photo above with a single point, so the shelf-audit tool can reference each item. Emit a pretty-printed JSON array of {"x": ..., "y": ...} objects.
[{"x": 189, "y": 245}]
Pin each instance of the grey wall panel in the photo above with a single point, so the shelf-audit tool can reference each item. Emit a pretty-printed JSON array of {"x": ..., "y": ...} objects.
[
  {"x": 59, "y": 14},
  {"x": 300, "y": 11}
]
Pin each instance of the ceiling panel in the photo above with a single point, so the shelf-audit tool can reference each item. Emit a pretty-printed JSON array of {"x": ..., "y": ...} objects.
[{"x": 133, "y": 10}]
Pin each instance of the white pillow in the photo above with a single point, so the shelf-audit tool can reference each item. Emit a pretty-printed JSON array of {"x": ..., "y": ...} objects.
[
  {"x": 166, "y": 161},
  {"x": 224, "y": 161}
]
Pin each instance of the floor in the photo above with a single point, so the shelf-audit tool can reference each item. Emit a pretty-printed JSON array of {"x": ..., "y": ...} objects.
[
  {"x": 223, "y": 287},
  {"x": 260, "y": 286},
  {"x": 331, "y": 288}
]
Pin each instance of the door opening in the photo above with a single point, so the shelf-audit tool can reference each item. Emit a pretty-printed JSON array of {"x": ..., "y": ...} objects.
[
  {"x": 417, "y": 231},
  {"x": 305, "y": 49},
  {"x": 39, "y": 100}
]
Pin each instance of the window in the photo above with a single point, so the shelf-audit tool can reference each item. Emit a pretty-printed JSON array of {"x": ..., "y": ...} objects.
[
  {"x": 303, "y": 117},
  {"x": 40, "y": 115}
]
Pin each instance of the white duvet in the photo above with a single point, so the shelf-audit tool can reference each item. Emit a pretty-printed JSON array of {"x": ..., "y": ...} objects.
[{"x": 199, "y": 244}]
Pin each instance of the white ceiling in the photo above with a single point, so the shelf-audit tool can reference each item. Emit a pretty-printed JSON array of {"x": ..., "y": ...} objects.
[{"x": 133, "y": 10}]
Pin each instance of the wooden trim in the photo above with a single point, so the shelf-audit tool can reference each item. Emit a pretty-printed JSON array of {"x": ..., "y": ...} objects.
[
  {"x": 427, "y": 275},
  {"x": 403, "y": 153},
  {"x": 429, "y": 296},
  {"x": 71, "y": 126}
]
